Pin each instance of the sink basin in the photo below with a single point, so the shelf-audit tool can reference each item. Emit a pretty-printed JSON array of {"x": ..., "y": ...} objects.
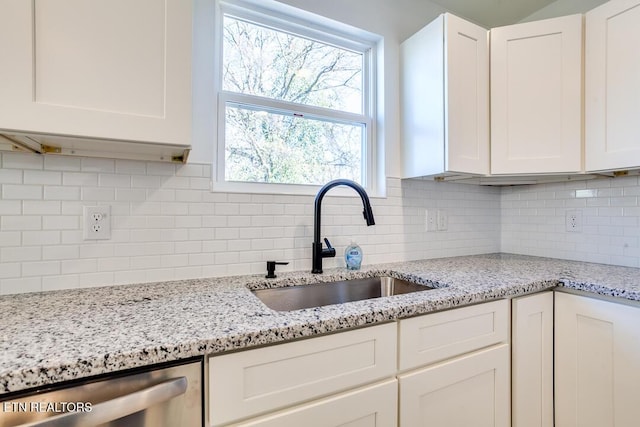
[{"x": 319, "y": 294}]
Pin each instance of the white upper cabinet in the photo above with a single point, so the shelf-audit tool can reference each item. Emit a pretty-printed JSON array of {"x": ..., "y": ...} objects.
[
  {"x": 106, "y": 69},
  {"x": 612, "y": 86},
  {"x": 536, "y": 97},
  {"x": 445, "y": 99}
]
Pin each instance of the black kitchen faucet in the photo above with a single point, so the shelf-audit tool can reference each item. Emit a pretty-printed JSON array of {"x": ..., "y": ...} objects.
[{"x": 329, "y": 251}]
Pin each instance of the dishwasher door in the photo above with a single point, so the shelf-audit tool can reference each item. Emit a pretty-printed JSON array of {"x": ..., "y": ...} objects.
[{"x": 164, "y": 397}]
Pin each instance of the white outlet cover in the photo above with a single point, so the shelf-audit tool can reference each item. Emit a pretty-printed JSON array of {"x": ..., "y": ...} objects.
[
  {"x": 96, "y": 222},
  {"x": 573, "y": 221}
]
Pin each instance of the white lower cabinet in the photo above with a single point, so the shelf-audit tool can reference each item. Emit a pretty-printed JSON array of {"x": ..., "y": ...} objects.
[
  {"x": 263, "y": 380},
  {"x": 449, "y": 369},
  {"x": 472, "y": 390},
  {"x": 371, "y": 406},
  {"x": 597, "y": 362},
  {"x": 532, "y": 360}
]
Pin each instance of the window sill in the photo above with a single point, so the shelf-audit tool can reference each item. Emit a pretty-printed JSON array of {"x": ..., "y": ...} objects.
[{"x": 285, "y": 189}]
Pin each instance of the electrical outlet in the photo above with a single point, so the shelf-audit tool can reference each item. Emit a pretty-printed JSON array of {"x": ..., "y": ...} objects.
[
  {"x": 442, "y": 220},
  {"x": 97, "y": 222},
  {"x": 430, "y": 220},
  {"x": 573, "y": 221}
]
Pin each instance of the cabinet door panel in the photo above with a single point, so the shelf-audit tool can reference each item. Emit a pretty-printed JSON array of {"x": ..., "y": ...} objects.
[
  {"x": 445, "y": 99},
  {"x": 467, "y": 97},
  {"x": 597, "y": 362},
  {"x": 438, "y": 336},
  {"x": 612, "y": 86},
  {"x": 472, "y": 390},
  {"x": 115, "y": 69},
  {"x": 536, "y": 97},
  {"x": 532, "y": 361},
  {"x": 372, "y": 406},
  {"x": 257, "y": 381}
]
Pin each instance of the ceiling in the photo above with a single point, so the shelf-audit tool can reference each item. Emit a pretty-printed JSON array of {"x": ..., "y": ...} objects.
[{"x": 493, "y": 13}]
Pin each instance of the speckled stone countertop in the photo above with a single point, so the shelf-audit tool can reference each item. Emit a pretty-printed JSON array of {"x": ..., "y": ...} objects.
[{"x": 57, "y": 336}]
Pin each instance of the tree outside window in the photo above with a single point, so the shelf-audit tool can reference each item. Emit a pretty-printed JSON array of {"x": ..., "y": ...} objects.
[{"x": 294, "y": 107}]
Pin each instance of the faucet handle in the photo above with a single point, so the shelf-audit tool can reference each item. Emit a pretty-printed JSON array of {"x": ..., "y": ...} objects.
[
  {"x": 271, "y": 269},
  {"x": 329, "y": 252}
]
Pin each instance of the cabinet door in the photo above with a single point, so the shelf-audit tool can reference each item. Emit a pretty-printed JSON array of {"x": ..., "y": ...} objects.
[
  {"x": 371, "y": 406},
  {"x": 532, "y": 361},
  {"x": 253, "y": 382},
  {"x": 439, "y": 336},
  {"x": 466, "y": 97},
  {"x": 445, "y": 99},
  {"x": 536, "y": 97},
  {"x": 113, "y": 69},
  {"x": 612, "y": 86},
  {"x": 597, "y": 362},
  {"x": 472, "y": 390}
]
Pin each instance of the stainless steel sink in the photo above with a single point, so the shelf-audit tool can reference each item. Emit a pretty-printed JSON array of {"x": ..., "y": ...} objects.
[{"x": 319, "y": 294}]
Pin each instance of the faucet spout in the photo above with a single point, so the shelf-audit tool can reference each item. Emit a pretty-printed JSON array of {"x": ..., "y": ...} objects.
[{"x": 318, "y": 251}]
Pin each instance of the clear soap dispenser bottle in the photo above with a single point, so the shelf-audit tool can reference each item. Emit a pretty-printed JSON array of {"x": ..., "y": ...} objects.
[{"x": 353, "y": 256}]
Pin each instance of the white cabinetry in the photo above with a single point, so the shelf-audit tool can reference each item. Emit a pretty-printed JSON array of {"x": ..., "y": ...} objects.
[
  {"x": 536, "y": 97},
  {"x": 472, "y": 390},
  {"x": 105, "y": 69},
  {"x": 612, "y": 86},
  {"x": 266, "y": 379},
  {"x": 450, "y": 368},
  {"x": 597, "y": 362},
  {"x": 532, "y": 361},
  {"x": 370, "y": 406},
  {"x": 445, "y": 99},
  {"x": 471, "y": 387}
]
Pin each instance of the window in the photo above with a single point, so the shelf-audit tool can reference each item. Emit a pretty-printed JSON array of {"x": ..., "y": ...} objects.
[{"x": 294, "y": 104}]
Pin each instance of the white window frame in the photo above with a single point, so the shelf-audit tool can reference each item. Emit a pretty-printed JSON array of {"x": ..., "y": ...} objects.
[{"x": 292, "y": 22}]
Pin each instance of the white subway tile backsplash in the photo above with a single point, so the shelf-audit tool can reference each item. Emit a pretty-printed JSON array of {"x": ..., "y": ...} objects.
[
  {"x": 609, "y": 209},
  {"x": 191, "y": 170},
  {"x": 41, "y": 207},
  {"x": 9, "y": 223},
  {"x": 167, "y": 224},
  {"x": 97, "y": 194},
  {"x": 20, "y": 285},
  {"x": 60, "y": 252},
  {"x": 60, "y": 222},
  {"x": 40, "y": 238},
  {"x": 21, "y": 161},
  {"x": 166, "y": 169},
  {"x": 21, "y": 192},
  {"x": 40, "y": 268},
  {"x": 61, "y": 163},
  {"x": 80, "y": 178},
  {"x": 57, "y": 282},
  {"x": 42, "y": 177},
  {"x": 131, "y": 167},
  {"x": 16, "y": 254},
  {"x": 91, "y": 164},
  {"x": 61, "y": 193},
  {"x": 114, "y": 180},
  {"x": 10, "y": 270},
  {"x": 10, "y": 207},
  {"x": 10, "y": 176}
]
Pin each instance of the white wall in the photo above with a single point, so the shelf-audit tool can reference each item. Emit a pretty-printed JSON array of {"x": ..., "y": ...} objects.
[
  {"x": 166, "y": 224},
  {"x": 533, "y": 220}
]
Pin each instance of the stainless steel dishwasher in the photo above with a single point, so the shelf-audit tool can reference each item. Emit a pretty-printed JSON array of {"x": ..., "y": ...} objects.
[{"x": 164, "y": 396}]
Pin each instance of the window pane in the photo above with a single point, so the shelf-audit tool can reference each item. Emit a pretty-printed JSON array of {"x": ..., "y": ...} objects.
[
  {"x": 271, "y": 147},
  {"x": 264, "y": 62}
]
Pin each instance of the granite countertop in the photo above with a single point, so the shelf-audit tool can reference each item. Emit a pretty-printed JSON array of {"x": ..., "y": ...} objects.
[{"x": 57, "y": 336}]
